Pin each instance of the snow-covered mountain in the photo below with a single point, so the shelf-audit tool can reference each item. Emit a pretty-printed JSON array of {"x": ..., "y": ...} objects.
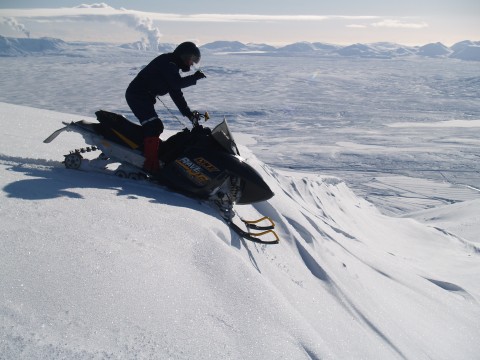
[
  {"x": 376, "y": 50},
  {"x": 237, "y": 46},
  {"x": 141, "y": 45},
  {"x": 465, "y": 50},
  {"x": 94, "y": 266},
  {"x": 230, "y": 46},
  {"x": 433, "y": 50},
  {"x": 28, "y": 46},
  {"x": 299, "y": 47}
]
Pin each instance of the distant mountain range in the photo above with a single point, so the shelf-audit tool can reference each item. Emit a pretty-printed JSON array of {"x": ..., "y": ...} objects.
[{"x": 464, "y": 50}]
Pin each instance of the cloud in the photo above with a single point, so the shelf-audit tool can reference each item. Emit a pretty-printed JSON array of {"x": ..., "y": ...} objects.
[
  {"x": 389, "y": 23},
  {"x": 143, "y": 22},
  {"x": 12, "y": 22},
  {"x": 252, "y": 17},
  {"x": 103, "y": 9},
  {"x": 356, "y": 26},
  {"x": 93, "y": 6},
  {"x": 92, "y": 12}
]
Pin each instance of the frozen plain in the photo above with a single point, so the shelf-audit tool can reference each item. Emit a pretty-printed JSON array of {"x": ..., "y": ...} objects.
[
  {"x": 151, "y": 274},
  {"x": 355, "y": 118}
]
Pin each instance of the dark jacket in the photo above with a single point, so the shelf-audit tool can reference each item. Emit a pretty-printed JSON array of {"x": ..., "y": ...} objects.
[{"x": 161, "y": 76}]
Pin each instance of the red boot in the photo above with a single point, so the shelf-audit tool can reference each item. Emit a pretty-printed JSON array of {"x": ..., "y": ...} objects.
[{"x": 150, "y": 151}]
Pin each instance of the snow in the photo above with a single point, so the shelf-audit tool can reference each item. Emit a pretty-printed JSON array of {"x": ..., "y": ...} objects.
[
  {"x": 468, "y": 53},
  {"x": 449, "y": 123},
  {"x": 433, "y": 50},
  {"x": 25, "y": 46},
  {"x": 374, "y": 165}
]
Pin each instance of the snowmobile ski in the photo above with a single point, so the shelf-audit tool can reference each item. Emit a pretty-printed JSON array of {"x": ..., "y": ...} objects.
[{"x": 257, "y": 237}]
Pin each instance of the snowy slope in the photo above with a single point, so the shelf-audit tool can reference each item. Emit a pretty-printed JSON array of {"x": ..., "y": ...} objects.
[{"x": 98, "y": 267}]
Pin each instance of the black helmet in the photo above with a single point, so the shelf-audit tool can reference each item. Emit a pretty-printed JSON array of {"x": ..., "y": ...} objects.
[{"x": 187, "y": 51}]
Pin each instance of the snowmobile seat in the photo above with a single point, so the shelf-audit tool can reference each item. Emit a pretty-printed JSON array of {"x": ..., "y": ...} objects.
[{"x": 119, "y": 129}]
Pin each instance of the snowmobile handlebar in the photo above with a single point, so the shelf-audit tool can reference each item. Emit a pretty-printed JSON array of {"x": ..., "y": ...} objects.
[{"x": 196, "y": 116}]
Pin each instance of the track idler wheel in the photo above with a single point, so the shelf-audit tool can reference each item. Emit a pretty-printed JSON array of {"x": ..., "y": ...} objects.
[
  {"x": 130, "y": 175},
  {"x": 137, "y": 176},
  {"x": 121, "y": 174},
  {"x": 73, "y": 161}
]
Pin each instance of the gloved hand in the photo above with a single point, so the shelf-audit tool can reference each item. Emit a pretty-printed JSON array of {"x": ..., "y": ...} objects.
[
  {"x": 193, "y": 115},
  {"x": 199, "y": 75}
]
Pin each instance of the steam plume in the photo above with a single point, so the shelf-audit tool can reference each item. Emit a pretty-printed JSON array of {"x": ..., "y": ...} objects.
[
  {"x": 145, "y": 26},
  {"x": 15, "y": 25},
  {"x": 142, "y": 24}
]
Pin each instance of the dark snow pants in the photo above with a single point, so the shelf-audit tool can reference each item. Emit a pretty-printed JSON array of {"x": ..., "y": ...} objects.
[{"x": 142, "y": 105}]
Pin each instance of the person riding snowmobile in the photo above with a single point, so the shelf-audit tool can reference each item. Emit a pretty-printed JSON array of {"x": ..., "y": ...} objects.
[{"x": 159, "y": 77}]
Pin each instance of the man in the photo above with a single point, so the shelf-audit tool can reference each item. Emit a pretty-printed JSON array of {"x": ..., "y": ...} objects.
[{"x": 159, "y": 77}]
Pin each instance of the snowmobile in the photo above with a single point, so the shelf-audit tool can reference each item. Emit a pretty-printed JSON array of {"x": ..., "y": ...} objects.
[{"x": 199, "y": 162}]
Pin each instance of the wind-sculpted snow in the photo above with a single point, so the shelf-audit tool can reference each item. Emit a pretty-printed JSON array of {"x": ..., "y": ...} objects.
[{"x": 94, "y": 266}]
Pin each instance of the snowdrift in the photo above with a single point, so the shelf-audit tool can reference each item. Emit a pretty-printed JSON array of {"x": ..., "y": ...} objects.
[{"x": 94, "y": 266}]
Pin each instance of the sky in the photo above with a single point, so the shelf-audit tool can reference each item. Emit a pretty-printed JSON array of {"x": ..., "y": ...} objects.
[{"x": 275, "y": 22}]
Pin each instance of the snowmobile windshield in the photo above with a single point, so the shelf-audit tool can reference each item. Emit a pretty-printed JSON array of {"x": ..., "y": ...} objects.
[{"x": 221, "y": 133}]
